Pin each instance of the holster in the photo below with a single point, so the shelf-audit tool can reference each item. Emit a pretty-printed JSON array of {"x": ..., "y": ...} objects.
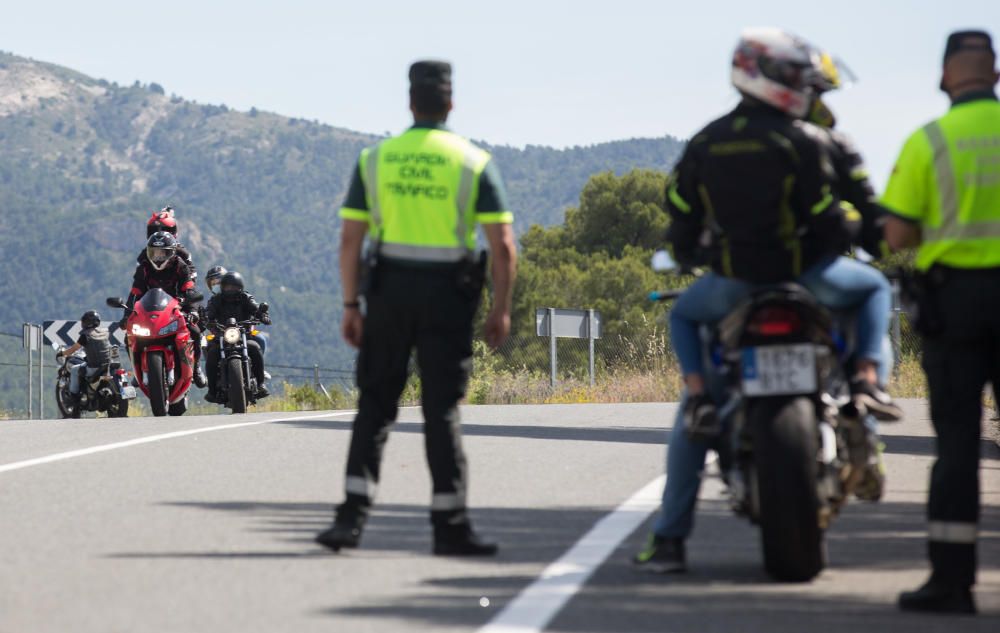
[
  {"x": 920, "y": 290},
  {"x": 369, "y": 272},
  {"x": 472, "y": 274}
]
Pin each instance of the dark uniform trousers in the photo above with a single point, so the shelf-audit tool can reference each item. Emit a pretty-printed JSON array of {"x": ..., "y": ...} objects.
[
  {"x": 422, "y": 309},
  {"x": 959, "y": 362}
]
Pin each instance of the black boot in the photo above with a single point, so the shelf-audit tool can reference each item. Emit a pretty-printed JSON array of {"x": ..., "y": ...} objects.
[
  {"x": 345, "y": 531},
  {"x": 461, "y": 540},
  {"x": 939, "y": 597},
  {"x": 199, "y": 376}
]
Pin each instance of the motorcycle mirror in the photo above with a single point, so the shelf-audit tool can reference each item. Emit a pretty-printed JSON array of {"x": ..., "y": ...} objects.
[
  {"x": 115, "y": 302},
  {"x": 663, "y": 262}
]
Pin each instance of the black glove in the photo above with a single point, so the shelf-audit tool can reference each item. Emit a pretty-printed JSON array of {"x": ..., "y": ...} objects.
[{"x": 265, "y": 319}]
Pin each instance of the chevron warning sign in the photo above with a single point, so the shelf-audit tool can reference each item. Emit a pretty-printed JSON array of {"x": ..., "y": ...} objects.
[{"x": 65, "y": 333}]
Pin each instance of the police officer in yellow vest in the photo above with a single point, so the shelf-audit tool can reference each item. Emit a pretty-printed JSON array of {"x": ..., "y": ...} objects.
[
  {"x": 945, "y": 196},
  {"x": 419, "y": 197}
]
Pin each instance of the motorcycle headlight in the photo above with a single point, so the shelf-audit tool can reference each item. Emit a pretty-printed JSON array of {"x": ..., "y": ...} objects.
[
  {"x": 232, "y": 335},
  {"x": 170, "y": 328},
  {"x": 138, "y": 330}
]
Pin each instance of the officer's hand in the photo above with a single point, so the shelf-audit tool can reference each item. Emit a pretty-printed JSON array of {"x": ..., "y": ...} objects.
[
  {"x": 265, "y": 319},
  {"x": 352, "y": 326},
  {"x": 497, "y": 328}
]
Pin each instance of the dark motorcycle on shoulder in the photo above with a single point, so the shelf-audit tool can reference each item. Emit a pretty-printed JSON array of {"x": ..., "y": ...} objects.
[
  {"x": 792, "y": 447},
  {"x": 236, "y": 386},
  {"x": 106, "y": 390}
]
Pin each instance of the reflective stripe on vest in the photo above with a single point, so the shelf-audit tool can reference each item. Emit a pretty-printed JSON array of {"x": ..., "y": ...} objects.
[
  {"x": 951, "y": 228},
  {"x": 952, "y": 532},
  {"x": 473, "y": 160}
]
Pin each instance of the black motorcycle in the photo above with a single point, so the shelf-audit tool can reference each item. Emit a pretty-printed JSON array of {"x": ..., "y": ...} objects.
[
  {"x": 236, "y": 387},
  {"x": 108, "y": 390},
  {"x": 792, "y": 447}
]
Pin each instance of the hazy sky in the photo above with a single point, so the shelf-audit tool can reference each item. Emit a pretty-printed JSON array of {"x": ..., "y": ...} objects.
[{"x": 540, "y": 72}]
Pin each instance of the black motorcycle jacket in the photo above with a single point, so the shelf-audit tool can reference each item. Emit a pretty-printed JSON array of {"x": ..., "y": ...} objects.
[
  {"x": 754, "y": 196},
  {"x": 242, "y": 307},
  {"x": 857, "y": 194},
  {"x": 176, "y": 279}
]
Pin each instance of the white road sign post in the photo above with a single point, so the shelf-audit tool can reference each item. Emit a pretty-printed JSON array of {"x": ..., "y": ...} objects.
[{"x": 562, "y": 323}]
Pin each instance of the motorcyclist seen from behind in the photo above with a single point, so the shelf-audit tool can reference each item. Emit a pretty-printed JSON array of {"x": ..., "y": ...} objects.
[
  {"x": 234, "y": 302},
  {"x": 755, "y": 196},
  {"x": 96, "y": 343},
  {"x": 162, "y": 267}
]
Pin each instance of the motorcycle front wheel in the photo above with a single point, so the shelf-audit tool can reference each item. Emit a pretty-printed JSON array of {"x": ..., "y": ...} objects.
[
  {"x": 786, "y": 443},
  {"x": 237, "y": 393},
  {"x": 158, "y": 393},
  {"x": 63, "y": 400}
]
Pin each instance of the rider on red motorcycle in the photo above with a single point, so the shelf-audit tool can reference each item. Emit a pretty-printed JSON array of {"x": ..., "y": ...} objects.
[
  {"x": 165, "y": 220},
  {"x": 162, "y": 267}
]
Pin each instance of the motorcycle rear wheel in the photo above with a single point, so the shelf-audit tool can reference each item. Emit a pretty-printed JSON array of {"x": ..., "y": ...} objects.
[
  {"x": 786, "y": 444},
  {"x": 119, "y": 410}
]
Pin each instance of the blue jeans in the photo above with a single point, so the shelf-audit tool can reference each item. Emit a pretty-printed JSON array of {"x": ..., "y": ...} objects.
[{"x": 838, "y": 283}]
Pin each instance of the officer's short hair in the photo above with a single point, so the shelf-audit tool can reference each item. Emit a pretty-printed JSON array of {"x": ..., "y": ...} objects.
[{"x": 430, "y": 86}]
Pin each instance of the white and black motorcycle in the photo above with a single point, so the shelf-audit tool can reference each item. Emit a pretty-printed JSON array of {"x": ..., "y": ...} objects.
[{"x": 108, "y": 390}]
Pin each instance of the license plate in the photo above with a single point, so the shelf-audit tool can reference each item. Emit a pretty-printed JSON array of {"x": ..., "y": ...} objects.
[
  {"x": 128, "y": 393},
  {"x": 779, "y": 370}
]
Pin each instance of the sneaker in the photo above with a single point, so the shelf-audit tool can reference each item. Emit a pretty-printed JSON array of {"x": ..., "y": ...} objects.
[
  {"x": 461, "y": 540},
  {"x": 872, "y": 484},
  {"x": 875, "y": 400},
  {"x": 701, "y": 419},
  {"x": 938, "y": 597},
  {"x": 344, "y": 533},
  {"x": 662, "y": 556}
]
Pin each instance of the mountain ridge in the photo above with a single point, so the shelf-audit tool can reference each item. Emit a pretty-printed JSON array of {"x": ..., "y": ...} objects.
[{"x": 83, "y": 162}]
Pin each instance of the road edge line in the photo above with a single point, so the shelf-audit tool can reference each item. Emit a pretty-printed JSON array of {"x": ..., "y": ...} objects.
[
  {"x": 537, "y": 604},
  {"x": 102, "y": 448}
]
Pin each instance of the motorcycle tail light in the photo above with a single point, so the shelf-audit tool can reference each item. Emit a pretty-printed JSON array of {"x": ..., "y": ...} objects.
[{"x": 774, "y": 321}]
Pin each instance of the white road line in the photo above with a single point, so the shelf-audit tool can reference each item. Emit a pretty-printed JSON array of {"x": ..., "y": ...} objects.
[
  {"x": 533, "y": 608},
  {"x": 48, "y": 459}
]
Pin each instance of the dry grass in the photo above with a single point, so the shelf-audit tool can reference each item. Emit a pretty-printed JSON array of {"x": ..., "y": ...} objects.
[{"x": 908, "y": 379}]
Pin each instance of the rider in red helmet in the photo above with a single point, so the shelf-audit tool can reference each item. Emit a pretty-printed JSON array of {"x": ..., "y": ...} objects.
[{"x": 166, "y": 221}]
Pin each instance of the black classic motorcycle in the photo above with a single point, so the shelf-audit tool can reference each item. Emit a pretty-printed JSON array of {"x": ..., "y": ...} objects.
[
  {"x": 792, "y": 446},
  {"x": 109, "y": 390},
  {"x": 236, "y": 387}
]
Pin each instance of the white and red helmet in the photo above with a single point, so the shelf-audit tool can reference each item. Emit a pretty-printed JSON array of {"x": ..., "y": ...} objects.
[{"x": 783, "y": 70}]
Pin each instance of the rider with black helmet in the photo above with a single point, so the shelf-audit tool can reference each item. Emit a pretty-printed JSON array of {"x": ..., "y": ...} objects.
[
  {"x": 233, "y": 302},
  {"x": 96, "y": 343},
  {"x": 162, "y": 267},
  {"x": 214, "y": 277}
]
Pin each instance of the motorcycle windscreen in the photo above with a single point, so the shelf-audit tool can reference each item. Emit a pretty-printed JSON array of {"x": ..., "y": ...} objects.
[{"x": 155, "y": 300}]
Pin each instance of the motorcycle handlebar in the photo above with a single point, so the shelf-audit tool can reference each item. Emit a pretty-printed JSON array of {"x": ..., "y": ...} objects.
[{"x": 664, "y": 295}]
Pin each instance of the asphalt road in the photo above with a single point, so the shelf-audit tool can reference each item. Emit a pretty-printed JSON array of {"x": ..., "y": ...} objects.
[{"x": 212, "y": 530}]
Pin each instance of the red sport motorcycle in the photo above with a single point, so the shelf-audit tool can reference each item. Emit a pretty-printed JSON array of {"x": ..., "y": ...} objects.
[{"x": 161, "y": 350}]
